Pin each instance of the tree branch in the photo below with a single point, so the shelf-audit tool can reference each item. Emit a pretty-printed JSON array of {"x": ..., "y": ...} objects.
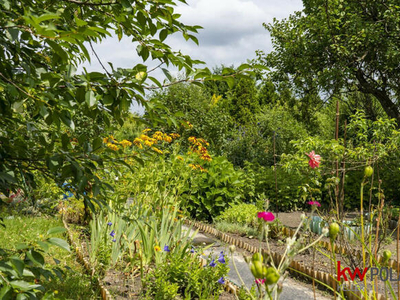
[{"x": 87, "y": 3}]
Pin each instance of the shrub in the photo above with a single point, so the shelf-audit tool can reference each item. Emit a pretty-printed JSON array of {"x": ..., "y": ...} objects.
[
  {"x": 243, "y": 214},
  {"x": 185, "y": 276},
  {"x": 211, "y": 192}
]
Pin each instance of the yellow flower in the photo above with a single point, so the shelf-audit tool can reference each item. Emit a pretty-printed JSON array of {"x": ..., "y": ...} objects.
[
  {"x": 125, "y": 143},
  {"x": 158, "y": 135},
  {"x": 192, "y": 166},
  {"x": 167, "y": 139},
  {"x": 112, "y": 146},
  {"x": 174, "y": 135},
  {"x": 138, "y": 142},
  {"x": 146, "y": 130},
  {"x": 157, "y": 150},
  {"x": 179, "y": 157},
  {"x": 148, "y": 143},
  {"x": 105, "y": 140},
  {"x": 157, "y": 248}
]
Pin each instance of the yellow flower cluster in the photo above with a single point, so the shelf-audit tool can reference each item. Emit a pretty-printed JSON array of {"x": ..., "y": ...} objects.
[
  {"x": 157, "y": 137},
  {"x": 112, "y": 143},
  {"x": 125, "y": 143},
  {"x": 197, "y": 167},
  {"x": 199, "y": 146}
]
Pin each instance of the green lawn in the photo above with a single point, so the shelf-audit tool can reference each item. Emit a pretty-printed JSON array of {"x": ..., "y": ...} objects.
[{"x": 75, "y": 284}]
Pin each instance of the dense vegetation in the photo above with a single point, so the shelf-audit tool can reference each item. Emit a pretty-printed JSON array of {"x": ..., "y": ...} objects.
[{"x": 209, "y": 145}]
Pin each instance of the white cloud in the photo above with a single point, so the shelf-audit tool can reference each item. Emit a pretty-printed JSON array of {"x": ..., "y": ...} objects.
[{"x": 232, "y": 33}]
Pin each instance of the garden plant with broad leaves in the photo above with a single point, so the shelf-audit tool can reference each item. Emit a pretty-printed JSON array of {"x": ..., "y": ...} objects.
[
  {"x": 43, "y": 101},
  {"x": 52, "y": 119}
]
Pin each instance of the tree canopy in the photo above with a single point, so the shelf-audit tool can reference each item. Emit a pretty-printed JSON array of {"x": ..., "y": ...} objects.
[
  {"x": 341, "y": 45},
  {"x": 52, "y": 119}
]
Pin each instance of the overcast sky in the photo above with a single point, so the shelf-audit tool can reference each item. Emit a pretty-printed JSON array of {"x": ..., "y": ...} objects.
[{"x": 232, "y": 33}]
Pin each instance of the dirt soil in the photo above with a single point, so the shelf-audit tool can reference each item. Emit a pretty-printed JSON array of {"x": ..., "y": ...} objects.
[{"x": 320, "y": 261}]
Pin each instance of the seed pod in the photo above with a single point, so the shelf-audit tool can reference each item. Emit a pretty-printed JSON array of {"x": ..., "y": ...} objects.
[
  {"x": 387, "y": 254},
  {"x": 272, "y": 276},
  {"x": 368, "y": 171},
  {"x": 257, "y": 257},
  {"x": 333, "y": 230},
  {"x": 256, "y": 269}
]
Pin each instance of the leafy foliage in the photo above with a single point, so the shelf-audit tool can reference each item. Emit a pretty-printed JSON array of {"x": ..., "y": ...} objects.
[
  {"x": 338, "y": 46},
  {"x": 243, "y": 214},
  {"x": 186, "y": 276}
]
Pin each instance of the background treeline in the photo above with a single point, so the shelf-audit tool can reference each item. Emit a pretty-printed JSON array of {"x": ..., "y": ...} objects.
[{"x": 242, "y": 122}]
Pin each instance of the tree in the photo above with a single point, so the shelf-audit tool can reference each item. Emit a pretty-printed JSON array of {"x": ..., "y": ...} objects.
[
  {"x": 42, "y": 100},
  {"x": 208, "y": 115},
  {"x": 243, "y": 101},
  {"x": 335, "y": 45}
]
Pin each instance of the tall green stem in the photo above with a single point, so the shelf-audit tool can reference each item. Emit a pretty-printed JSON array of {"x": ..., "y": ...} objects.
[{"x": 363, "y": 235}]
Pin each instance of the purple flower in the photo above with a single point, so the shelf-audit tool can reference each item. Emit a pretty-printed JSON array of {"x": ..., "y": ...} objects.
[
  {"x": 112, "y": 233},
  {"x": 109, "y": 223},
  {"x": 221, "y": 280},
  {"x": 212, "y": 264},
  {"x": 221, "y": 259},
  {"x": 166, "y": 249},
  {"x": 192, "y": 250},
  {"x": 114, "y": 240}
]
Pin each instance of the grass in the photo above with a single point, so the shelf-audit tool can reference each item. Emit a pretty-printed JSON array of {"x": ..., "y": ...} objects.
[{"x": 75, "y": 284}]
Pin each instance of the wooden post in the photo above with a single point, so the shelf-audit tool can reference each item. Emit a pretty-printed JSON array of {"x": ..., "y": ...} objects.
[{"x": 276, "y": 179}]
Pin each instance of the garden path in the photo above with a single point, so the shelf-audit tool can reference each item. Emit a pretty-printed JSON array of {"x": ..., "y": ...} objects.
[{"x": 292, "y": 290}]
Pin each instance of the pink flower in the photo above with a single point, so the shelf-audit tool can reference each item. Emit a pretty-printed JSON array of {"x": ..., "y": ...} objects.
[
  {"x": 316, "y": 203},
  {"x": 267, "y": 216},
  {"x": 260, "y": 281},
  {"x": 314, "y": 159}
]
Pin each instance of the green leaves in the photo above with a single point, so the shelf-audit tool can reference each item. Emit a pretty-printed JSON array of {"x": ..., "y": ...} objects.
[
  {"x": 60, "y": 243},
  {"x": 90, "y": 98},
  {"x": 56, "y": 230}
]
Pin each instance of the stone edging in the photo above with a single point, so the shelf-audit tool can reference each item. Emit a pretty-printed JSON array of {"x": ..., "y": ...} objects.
[
  {"x": 295, "y": 267},
  {"x": 83, "y": 259}
]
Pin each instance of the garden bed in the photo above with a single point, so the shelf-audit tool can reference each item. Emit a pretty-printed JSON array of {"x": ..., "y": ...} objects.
[
  {"x": 116, "y": 284},
  {"x": 303, "y": 262}
]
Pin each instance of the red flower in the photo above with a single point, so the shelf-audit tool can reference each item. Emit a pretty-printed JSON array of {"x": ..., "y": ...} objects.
[
  {"x": 316, "y": 203},
  {"x": 267, "y": 216},
  {"x": 314, "y": 159},
  {"x": 260, "y": 281}
]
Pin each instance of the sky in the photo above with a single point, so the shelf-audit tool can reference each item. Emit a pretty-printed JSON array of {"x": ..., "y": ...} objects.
[{"x": 232, "y": 32}]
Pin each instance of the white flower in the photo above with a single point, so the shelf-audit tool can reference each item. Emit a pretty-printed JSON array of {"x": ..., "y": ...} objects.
[{"x": 290, "y": 242}]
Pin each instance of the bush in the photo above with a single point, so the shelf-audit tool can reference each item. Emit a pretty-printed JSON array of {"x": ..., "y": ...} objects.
[
  {"x": 185, "y": 276},
  {"x": 211, "y": 192},
  {"x": 243, "y": 214}
]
